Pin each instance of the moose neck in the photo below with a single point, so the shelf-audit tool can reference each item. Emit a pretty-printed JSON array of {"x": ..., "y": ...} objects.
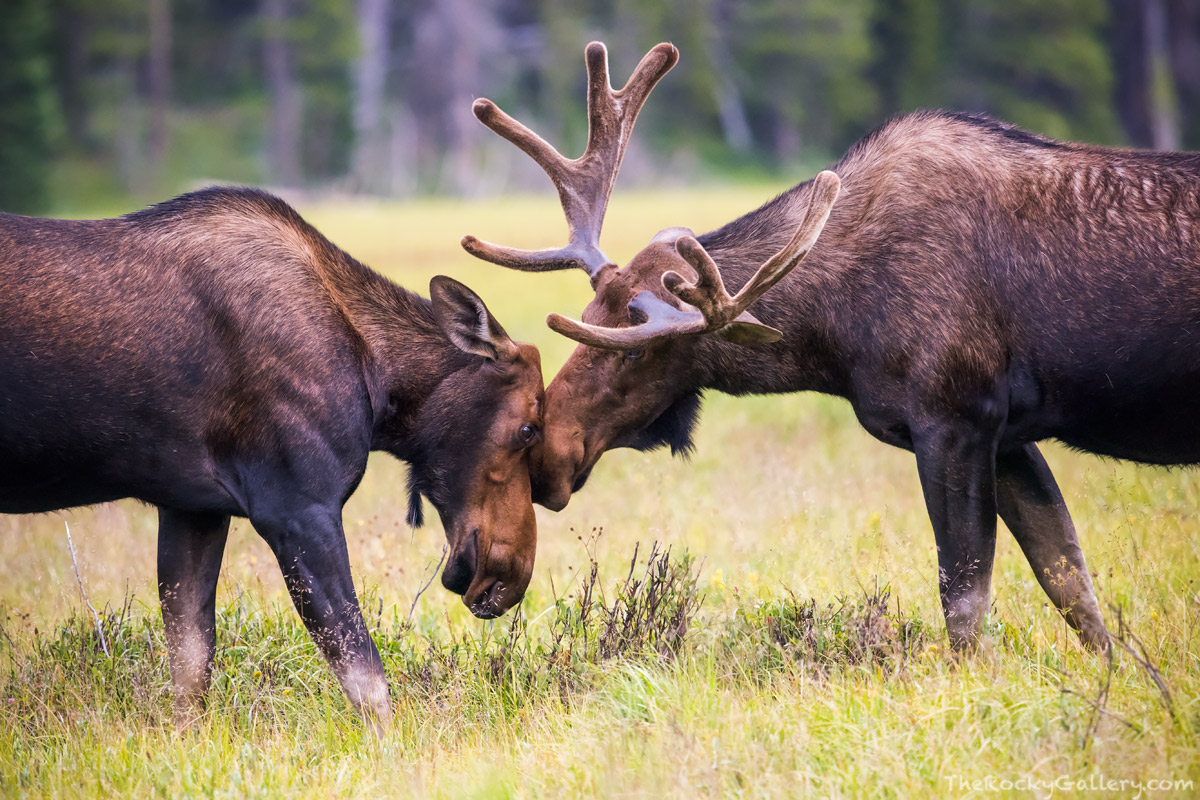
[
  {"x": 406, "y": 356},
  {"x": 806, "y": 357}
]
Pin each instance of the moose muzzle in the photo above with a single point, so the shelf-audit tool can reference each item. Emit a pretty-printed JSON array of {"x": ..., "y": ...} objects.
[{"x": 492, "y": 572}]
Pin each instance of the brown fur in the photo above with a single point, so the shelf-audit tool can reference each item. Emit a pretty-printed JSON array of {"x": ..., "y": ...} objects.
[
  {"x": 215, "y": 355},
  {"x": 976, "y": 289}
]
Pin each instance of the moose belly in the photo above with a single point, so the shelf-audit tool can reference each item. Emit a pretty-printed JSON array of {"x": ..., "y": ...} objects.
[
  {"x": 39, "y": 479},
  {"x": 35, "y": 496},
  {"x": 183, "y": 488},
  {"x": 1152, "y": 424}
]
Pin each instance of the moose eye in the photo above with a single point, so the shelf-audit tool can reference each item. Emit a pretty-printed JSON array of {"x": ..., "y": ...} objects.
[{"x": 630, "y": 355}]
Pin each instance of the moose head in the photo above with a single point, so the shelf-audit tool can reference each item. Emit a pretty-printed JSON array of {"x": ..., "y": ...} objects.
[
  {"x": 469, "y": 451},
  {"x": 633, "y": 381}
]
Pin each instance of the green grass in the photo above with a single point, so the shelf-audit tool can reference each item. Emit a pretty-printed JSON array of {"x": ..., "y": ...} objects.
[{"x": 813, "y": 660}]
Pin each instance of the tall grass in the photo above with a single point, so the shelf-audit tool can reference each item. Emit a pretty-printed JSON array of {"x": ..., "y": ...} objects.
[{"x": 761, "y": 622}]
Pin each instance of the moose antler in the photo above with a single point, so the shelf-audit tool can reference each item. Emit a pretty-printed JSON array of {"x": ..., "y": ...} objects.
[
  {"x": 714, "y": 310},
  {"x": 584, "y": 184}
]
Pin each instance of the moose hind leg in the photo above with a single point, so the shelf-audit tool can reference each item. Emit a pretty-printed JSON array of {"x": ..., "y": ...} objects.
[
  {"x": 311, "y": 549},
  {"x": 190, "y": 548},
  {"x": 1032, "y": 507}
]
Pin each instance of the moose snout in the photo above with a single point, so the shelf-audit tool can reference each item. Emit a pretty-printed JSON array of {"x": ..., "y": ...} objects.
[
  {"x": 554, "y": 495},
  {"x": 460, "y": 570},
  {"x": 489, "y": 575},
  {"x": 554, "y": 489},
  {"x": 557, "y": 467}
]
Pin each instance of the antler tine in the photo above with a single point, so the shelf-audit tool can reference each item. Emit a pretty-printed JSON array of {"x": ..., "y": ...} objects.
[
  {"x": 556, "y": 166},
  {"x": 584, "y": 184},
  {"x": 612, "y": 113},
  {"x": 649, "y": 71},
  {"x": 823, "y": 194},
  {"x": 708, "y": 292},
  {"x": 663, "y": 321},
  {"x": 534, "y": 260},
  {"x": 601, "y": 106},
  {"x": 534, "y": 146}
]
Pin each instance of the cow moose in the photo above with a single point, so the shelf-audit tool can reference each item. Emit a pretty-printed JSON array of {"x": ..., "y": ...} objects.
[
  {"x": 975, "y": 290},
  {"x": 216, "y": 356}
]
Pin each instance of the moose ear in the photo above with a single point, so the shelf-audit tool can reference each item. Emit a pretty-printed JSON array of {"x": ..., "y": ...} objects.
[
  {"x": 747, "y": 330},
  {"x": 467, "y": 322}
]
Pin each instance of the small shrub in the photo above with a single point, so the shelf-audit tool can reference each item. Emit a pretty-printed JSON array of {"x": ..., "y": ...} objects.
[
  {"x": 849, "y": 631},
  {"x": 648, "y": 617}
]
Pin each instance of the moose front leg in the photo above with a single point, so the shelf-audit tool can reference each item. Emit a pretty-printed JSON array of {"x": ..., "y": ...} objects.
[
  {"x": 311, "y": 549},
  {"x": 956, "y": 463},
  {"x": 190, "y": 547},
  {"x": 1032, "y": 507}
]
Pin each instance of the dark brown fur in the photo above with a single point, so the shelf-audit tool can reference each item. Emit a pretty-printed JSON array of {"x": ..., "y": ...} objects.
[
  {"x": 216, "y": 356},
  {"x": 976, "y": 289}
]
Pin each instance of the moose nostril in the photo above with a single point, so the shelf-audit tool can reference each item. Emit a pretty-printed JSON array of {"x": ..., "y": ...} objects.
[
  {"x": 580, "y": 480},
  {"x": 460, "y": 570}
]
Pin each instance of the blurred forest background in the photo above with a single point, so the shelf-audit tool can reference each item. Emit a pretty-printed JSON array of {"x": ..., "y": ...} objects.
[{"x": 112, "y": 102}]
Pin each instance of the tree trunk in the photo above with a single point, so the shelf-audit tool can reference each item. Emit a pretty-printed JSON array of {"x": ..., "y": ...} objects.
[
  {"x": 1164, "y": 123},
  {"x": 732, "y": 112},
  {"x": 785, "y": 138},
  {"x": 1183, "y": 31},
  {"x": 452, "y": 44},
  {"x": 284, "y": 93},
  {"x": 402, "y": 154},
  {"x": 464, "y": 76},
  {"x": 1131, "y": 63},
  {"x": 370, "y": 76},
  {"x": 159, "y": 80},
  {"x": 130, "y": 141},
  {"x": 74, "y": 24}
]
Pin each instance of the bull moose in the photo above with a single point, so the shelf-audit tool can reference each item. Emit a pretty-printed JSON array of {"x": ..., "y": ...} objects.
[
  {"x": 216, "y": 356},
  {"x": 975, "y": 290}
]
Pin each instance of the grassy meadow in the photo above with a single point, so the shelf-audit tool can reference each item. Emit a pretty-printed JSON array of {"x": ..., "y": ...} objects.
[{"x": 789, "y": 644}]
